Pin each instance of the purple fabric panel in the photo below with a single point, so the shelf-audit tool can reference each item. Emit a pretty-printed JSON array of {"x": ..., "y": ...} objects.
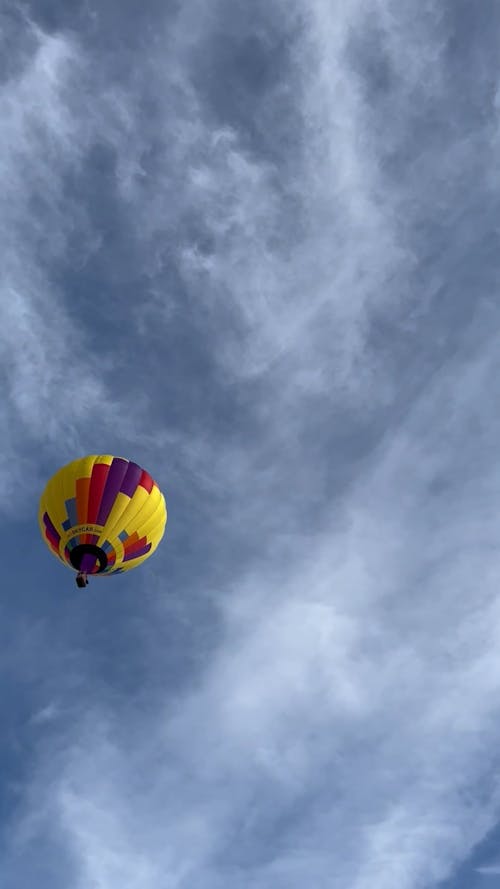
[
  {"x": 114, "y": 480},
  {"x": 131, "y": 480},
  {"x": 88, "y": 563},
  {"x": 48, "y": 524},
  {"x": 136, "y": 553}
]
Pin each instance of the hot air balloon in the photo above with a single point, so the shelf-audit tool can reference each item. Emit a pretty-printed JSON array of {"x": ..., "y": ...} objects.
[{"x": 102, "y": 515}]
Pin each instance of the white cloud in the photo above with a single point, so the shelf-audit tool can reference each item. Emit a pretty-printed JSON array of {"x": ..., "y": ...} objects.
[
  {"x": 55, "y": 381},
  {"x": 489, "y": 870},
  {"x": 343, "y": 730},
  {"x": 47, "y": 389},
  {"x": 353, "y": 698}
]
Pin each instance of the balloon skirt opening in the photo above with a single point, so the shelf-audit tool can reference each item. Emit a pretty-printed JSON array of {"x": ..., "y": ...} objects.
[{"x": 88, "y": 559}]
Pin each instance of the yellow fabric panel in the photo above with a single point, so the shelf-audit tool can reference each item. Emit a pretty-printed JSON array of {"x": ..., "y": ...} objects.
[
  {"x": 132, "y": 510},
  {"x": 155, "y": 520},
  {"x": 140, "y": 519},
  {"x": 106, "y": 459},
  {"x": 83, "y": 467},
  {"x": 119, "y": 507},
  {"x": 53, "y": 503},
  {"x": 153, "y": 529}
]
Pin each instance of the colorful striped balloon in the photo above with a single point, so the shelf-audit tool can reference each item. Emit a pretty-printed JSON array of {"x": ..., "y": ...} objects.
[{"x": 102, "y": 514}]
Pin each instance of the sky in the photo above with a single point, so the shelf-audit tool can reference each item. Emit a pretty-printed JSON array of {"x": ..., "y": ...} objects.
[{"x": 255, "y": 248}]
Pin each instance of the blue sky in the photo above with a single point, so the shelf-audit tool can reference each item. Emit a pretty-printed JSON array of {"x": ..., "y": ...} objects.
[{"x": 254, "y": 247}]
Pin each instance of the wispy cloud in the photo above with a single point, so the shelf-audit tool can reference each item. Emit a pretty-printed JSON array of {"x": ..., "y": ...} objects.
[
  {"x": 277, "y": 301},
  {"x": 43, "y": 356},
  {"x": 347, "y": 723}
]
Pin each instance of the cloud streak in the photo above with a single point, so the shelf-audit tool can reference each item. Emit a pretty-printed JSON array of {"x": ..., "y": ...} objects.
[{"x": 278, "y": 300}]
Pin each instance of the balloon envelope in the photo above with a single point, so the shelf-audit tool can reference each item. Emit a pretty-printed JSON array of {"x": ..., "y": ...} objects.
[{"x": 102, "y": 514}]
